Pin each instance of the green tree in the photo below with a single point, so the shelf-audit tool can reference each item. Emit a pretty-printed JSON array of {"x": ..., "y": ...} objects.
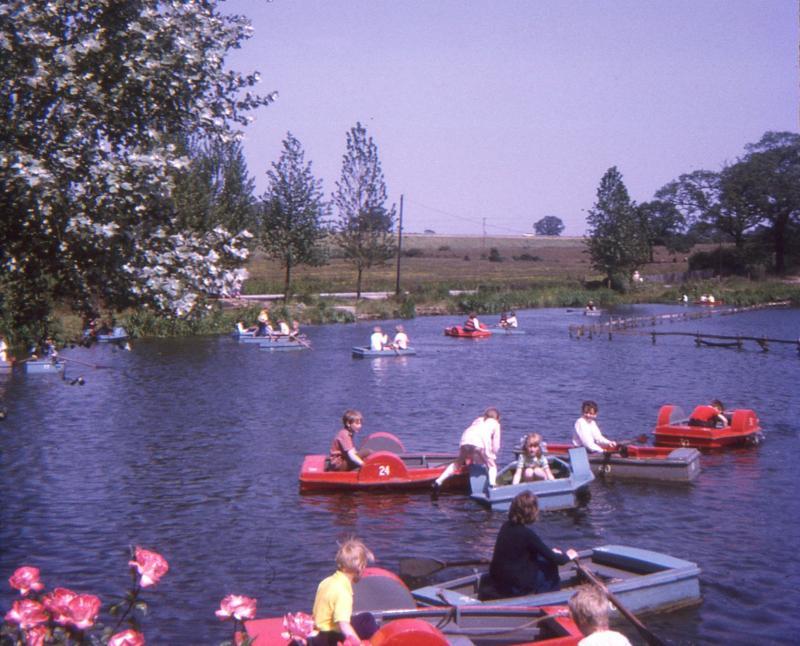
[
  {"x": 549, "y": 225},
  {"x": 662, "y": 224},
  {"x": 365, "y": 226},
  {"x": 94, "y": 96},
  {"x": 616, "y": 243},
  {"x": 293, "y": 212}
]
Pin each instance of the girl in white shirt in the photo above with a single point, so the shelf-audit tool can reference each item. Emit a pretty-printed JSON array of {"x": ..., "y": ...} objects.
[{"x": 587, "y": 433}]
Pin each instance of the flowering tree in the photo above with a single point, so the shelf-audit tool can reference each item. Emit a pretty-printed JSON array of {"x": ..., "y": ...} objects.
[
  {"x": 365, "y": 224},
  {"x": 94, "y": 95},
  {"x": 293, "y": 212}
]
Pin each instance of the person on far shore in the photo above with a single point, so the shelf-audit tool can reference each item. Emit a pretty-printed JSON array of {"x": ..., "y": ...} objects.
[
  {"x": 343, "y": 454},
  {"x": 480, "y": 443},
  {"x": 587, "y": 433},
  {"x": 532, "y": 462},
  {"x": 333, "y": 603},
  {"x": 472, "y": 323},
  {"x": 522, "y": 563},
  {"x": 400, "y": 341},
  {"x": 589, "y": 609},
  {"x": 378, "y": 340},
  {"x": 709, "y": 415}
]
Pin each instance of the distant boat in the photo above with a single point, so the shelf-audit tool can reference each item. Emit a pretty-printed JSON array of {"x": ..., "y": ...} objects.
[
  {"x": 43, "y": 366},
  {"x": 460, "y": 331},
  {"x": 359, "y": 351}
]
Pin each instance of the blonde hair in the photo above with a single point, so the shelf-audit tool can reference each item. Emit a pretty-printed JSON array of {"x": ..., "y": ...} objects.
[
  {"x": 589, "y": 608},
  {"x": 353, "y": 556},
  {"x": 533, "y": 437}
]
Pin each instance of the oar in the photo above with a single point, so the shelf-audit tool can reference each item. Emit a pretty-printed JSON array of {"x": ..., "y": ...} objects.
[
  {"x": 644, "y": 631},
  {"x": 83, "y": 363},
  {"x": 419, "y": 567}
]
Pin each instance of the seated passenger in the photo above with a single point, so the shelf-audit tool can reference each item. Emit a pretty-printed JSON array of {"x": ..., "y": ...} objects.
[
  {"x": 511, "y": 320},
  {"x": 283, "y": 328},
  {"x": 343, "y": 454},
  {"x": 589, "y": 610},
  {"x": 400, "y": 341},
  {"x": 532, "y": 462},
  {"x": 709, "y": 415},
  {"x": 587, "y": 433},
  {"x": 472, "y": 323},
  {"x": 521, "y": 562},
  {"x": 378, "y": 339}
]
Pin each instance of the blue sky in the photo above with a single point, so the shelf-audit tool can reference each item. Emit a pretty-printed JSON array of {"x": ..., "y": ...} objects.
[{"x": 510, "y": 110}]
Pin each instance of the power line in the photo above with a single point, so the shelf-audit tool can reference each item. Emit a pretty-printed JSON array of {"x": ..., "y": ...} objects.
[{"x": 482, "y": 222}]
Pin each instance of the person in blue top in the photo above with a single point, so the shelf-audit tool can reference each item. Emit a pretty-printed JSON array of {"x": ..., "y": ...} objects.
[{"x": 522, "y": 563}]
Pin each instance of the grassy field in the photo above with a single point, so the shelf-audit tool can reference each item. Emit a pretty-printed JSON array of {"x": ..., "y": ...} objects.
[{"x": 457, "y": 262}]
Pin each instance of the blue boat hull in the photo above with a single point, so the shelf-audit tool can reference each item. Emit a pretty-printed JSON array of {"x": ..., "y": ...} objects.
[
  {"x": 43, "y": 366},
  {"x": 643, "y": 580},
  {"x": 281, "y": 346},
  {"x": 367, "y": 352}
]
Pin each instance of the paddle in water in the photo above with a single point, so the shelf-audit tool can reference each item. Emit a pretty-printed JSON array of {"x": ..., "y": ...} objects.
[{"x": 645, "y": 632}]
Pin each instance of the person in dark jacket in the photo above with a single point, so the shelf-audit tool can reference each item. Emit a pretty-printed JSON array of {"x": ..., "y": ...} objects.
[{"x": 522, "y": 563}]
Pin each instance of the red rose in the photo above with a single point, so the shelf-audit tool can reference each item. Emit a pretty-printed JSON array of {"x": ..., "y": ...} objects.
[
  {"x": 238, "y": 606},
  {"x": 27, "y": 613},
  {"x": 36, "y": 636},
  {"x": 26, "y": 579},
  {"x": 150, "y": 565},
  {"x": 83, "y": 611},
  {"x": 127, "y": 638},
  {"x": 57, "y": 602}
]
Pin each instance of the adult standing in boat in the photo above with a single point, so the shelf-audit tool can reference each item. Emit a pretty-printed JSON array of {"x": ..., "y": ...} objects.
[
  {"x": 587, "y": 433},
  {"x": 709, "y": 415},
  {"x": 333, "y": 603},
  {"x": 400, "y": 341},
  {"x": 589, "y": 610},
  {"x": 378, "y": 339},
  {"x": 480, "y": 443},
  {"x": 522, "y": 563},
  {"x": 343, "y": 454}
]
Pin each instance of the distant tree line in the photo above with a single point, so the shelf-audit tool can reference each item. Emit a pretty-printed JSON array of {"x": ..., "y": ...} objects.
[{"x": 752, "y": 203}]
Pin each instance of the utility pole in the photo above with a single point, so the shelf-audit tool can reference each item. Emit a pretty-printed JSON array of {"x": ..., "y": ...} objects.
[
  {"x": 399, "y": 247},
  {"x": 483, "y": 240}
]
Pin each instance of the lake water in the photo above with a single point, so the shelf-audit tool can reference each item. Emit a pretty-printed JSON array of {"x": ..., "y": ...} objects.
[{"x": 192, "y": 447}]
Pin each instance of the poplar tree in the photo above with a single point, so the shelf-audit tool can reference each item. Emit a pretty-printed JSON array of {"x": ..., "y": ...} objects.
[
  {"x": 293, "y": 212},
  {"x": 365, "y": 225}
]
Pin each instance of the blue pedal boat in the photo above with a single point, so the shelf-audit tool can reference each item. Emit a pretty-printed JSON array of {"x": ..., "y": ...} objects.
[
  {"x": 281, "y": 345},
  {"x": 43, "y": 366},
  {"x": 643, "y": 580},
  {"x": 571, "y": 478},
  {"x": 361, "y": 352}
]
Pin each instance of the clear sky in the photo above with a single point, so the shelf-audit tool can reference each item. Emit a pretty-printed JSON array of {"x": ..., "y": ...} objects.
[{"x": 511, "y": 110}]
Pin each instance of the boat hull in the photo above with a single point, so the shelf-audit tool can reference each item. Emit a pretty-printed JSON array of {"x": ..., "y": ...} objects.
[
  {"x": 652, "y": 463},
  {"x": 643, "y": 580},
  {"x": 43, "y": 366},
  {"x": 553, "y": 495},
  {"x": 119, "y": 334},
  {"x": 672, "y": 429},
  {"x": 460, "y": 332},
  {"x": 360, "y": 352},
  {"x": 281, "y": 346}
]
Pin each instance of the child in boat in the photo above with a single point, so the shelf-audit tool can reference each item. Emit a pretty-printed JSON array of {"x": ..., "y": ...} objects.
[
  {"x": 511, "y": 320},
  {"x": 532, "y": 462},
  {"x": 333, "y": 604},
  {"x": 589, "y": 610},
  {"x": 400, "y": 341},
  {"x": 472, "y": 323},
  {"x": 480, "y": 443},
  {"x": 503, "y": 319},
  {"x": 283, "y": 328},
  {"x": 521, "y": 562},
  {"x": 343, "y": 454},
  {"x": 294, "y": 333},
  {"x": 264, "y": 328},
  {"x": 242, "y": 330},
  {"x": 709, "y": 415},
  {"x": 378, "y": 339},
  {"x": 587, "y": 433}
]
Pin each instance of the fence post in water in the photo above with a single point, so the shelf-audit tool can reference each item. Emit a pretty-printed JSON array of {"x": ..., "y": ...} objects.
[
  {"x": 763, "y": 343},
  {"x": 654, "y": 338},
  {"x": 697, "y": 339}
]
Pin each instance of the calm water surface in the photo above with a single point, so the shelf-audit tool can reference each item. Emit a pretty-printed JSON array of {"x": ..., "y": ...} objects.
[{"x": 192, "y": 448}]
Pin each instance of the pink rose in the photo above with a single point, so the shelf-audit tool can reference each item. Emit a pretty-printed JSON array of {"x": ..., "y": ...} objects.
[
  {"x": 238, "y": 606},
  {"x": 57, "y": 602},
  {"x": 36, "y": 636},
  {"x": 127, "y": 638},
  {"x": 26, "y": 579},
  {"x": 27, "y": 613},
  {"x": 298, "y": 627},
  {"x": 83, "y": 611},
  {"x": 150, "y": 565}
]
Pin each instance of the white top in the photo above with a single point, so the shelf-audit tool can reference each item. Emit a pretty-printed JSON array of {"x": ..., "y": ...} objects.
[
  {"x": 401, "y": 341},
  {"x": 511, "y": 321},
  {"x": 284, "y": 327},
  {"x": 587, "y": 433},
  {"x": 378, "y": 340},
  {"x": 3, "y": 349},
  {"x": 605, "y": 638},
  {"x": 484, "y": 434}
]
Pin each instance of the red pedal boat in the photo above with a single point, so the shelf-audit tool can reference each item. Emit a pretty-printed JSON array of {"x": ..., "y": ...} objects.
[
  {"x": 387, "y": 468},
  {"x": 673, "y": 429},
  {"x": 402, "y": 623},
  {"x": 460, "y": 331}
]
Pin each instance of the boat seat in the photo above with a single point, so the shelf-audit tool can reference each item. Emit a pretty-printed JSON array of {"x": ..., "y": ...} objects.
[{"x": 379, "y": 592}]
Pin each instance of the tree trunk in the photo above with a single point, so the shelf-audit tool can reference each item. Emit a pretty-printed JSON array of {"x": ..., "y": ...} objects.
[
  {"x": 287, "y": 281},
  {"x": 360, "y": 271},
  {"x": 779, "y": 231}
]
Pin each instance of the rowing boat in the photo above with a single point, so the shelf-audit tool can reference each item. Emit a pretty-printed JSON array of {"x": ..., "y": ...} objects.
[
  {"x": 387, "y": 468},
  {"x": 117, "y": 334},
  {"x": 460, "y": 331},
  {"x": 362, "y": 352},
  {"x": 632, "y": 462},
  {"x": 281, "y": 345},
  {"x": 673, "y": 429},
  {"x": 402, "y": 623},
  {"x": 643, "y": 580},
  {"x": 571, "y": 480},
  {"x": 43, "y": 366}
]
